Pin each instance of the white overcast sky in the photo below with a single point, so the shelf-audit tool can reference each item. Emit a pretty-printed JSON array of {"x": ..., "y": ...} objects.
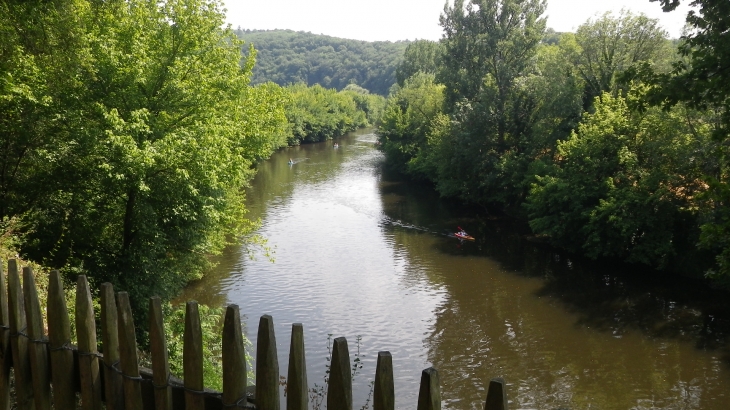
[{"x": 378, "y": 20}]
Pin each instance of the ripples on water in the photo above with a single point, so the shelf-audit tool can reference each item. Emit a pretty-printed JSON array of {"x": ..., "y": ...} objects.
[{"x": 360, "y": 253}]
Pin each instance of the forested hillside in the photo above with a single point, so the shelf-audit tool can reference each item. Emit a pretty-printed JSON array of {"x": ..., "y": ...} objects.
[{"x": 285, "y": 57}]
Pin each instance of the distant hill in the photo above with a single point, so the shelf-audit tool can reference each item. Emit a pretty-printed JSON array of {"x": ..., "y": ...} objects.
[{"x": 285, "y": 56}]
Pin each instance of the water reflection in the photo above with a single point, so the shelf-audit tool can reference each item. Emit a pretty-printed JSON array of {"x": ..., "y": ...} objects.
[
  {"x": 569, "y": 333},
  {"x": 362, "y": 252}
]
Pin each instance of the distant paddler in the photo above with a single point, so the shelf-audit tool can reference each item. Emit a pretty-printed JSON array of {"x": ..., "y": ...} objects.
[{"x": 461, "y": 234}]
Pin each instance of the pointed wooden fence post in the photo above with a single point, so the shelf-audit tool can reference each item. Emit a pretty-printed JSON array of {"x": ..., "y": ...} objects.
[
  {"x": 18, "y": 340},
  {"x": 37, "y": 347},
  {"x": 59, "y": 335},
  {"x": 339, "y": 390},
  {"x": 113, "y": 381},
  {"x": 5, "y": 358},
  {"x": 297, "y": 390},
  {"x": 234, "y": 360},
  {"x": 384, "y": 390},
  {"x": 267, "y": 366},
  {"x": 193, "y": 358},
  {"x": 128, "y": 354},
  {"x": 86, "y": 336},
  {"x": 496, "y": 395},
  {"x": 160, "y": 365},
  {"x": 429, "y": 396}
]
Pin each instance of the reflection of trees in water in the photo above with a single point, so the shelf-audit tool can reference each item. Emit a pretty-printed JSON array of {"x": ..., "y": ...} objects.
[
  {"x": 617, "y": 298},
  {"x": 658, "y": 307},
  {"x": 482, "y": 333},
  {"x": 563, "y": 332}
]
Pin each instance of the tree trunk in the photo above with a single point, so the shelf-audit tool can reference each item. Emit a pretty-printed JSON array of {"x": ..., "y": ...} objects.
[{"x": 128, "y": 220}]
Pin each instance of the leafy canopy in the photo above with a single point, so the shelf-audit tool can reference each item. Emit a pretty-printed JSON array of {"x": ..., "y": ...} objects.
[
  {"x": 137, "y": 129},
  {"x": 625, "y": 183}
]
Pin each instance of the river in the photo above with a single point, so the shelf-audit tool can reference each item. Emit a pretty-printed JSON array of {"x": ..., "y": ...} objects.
[{"x": 359, "y": 253}]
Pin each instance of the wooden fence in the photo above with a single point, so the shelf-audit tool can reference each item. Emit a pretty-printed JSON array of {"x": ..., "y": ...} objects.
[{"x": 48, "y": 370}]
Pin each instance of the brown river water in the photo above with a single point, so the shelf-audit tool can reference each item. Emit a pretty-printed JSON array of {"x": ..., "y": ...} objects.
[{"x": 361, "y": 253}]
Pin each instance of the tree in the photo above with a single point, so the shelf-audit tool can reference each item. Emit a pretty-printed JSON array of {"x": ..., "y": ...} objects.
[
  {"x": 494, "y": 38},
  {"x": 702, "y": 80},
  {"x": 626, "y": 183},
  {"x": 552, "y": 37},
  {"x": 421, "y": 55},
  {"x": 153, "y": 136},
  {"x": 604, "y": 48},
  {"x": 41, "y": 54},
  {"x": 407, "y": 123},
  {"x": 488, "y": 46},
  {"x": 318, "y": 114}
]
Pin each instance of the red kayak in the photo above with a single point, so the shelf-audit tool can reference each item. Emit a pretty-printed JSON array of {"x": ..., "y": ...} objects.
[{"x": 464, "y": 236}]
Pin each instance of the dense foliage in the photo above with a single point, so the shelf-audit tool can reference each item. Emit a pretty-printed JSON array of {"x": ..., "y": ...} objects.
[
  {"x": 319, "y": 114},
  {"x": 559, "y": 129},
  {"x": 625, "y": 183},
  {"x": 128, "y": 129},
  {"x": 421, "y": 55},
  {"x": 407, "y": 128},
  {"x": 701, "y": 79},
  {"x": 287, "y": 57}
]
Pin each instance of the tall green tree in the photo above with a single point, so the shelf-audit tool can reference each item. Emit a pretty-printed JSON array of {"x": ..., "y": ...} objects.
[
  {"x": 319, "y": 114},
  {"x": 604, "y": 48},
  {"x": 43, "y": 57},
  {"x": 488, "y": 46},
  {"x": 702, "y": 80},
  {"x": 408, "y": 120},
  {"x": 152, "y": 137},
  {"x": 626, "y": 183},
  {"x": 421, "y": 55},
  {"x": 488, "y": 38}
]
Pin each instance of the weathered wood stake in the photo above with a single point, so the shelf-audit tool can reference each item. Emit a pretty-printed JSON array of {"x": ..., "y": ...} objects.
[
  {"x": 18, "y": 340},
  {"x": 267, "y": 366},
  {"x": 37, "y": 346},
  {"x": 59, "y": 335},
  {"x": 339, "y": 390},
  {"x": 384, "y": 390},
  {"x": 128, "y": 353},
  {"x": 193, "y": 358},
  {"x": 496, "y": 395},
  {"x": 86, "y": 336},
  {"x": 429, "y": 396},
  {"x": 113, "y": 381},
  {"x": 160, "y": 365},
  {"x": 5, "y": 353},
  {"x": 297, "y": 390},
  {"x": 234, "y": 360}
]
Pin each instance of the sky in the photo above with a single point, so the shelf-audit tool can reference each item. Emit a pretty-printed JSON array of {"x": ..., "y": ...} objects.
[{"x": 393, "y": 20}]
